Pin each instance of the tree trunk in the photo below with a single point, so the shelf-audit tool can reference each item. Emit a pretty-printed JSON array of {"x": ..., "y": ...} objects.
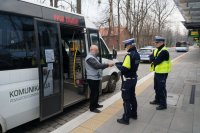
[
  {"x": 56, "y": 3},
  {"x": 51, "y": 3},
  {"x": 110, "y": 21},
  {"x": 118, "y": 14},
  {"x": 78, "y": 2},
  {"x": 128, "y": 5}
]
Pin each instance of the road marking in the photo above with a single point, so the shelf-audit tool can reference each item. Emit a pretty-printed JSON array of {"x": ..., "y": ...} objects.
[{"x": 89, "y": 122}]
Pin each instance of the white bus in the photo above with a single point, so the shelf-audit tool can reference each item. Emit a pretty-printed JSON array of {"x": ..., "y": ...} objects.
[
  {"x": 182, "y": 47},
  {"x": 42, "y": 53}
]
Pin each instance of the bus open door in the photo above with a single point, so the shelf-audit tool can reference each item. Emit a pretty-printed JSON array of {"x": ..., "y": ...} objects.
[{"x": 50, "y": 70}]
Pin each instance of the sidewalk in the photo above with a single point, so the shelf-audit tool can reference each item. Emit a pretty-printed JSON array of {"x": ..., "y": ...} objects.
[{"x": 182, "y": 115}]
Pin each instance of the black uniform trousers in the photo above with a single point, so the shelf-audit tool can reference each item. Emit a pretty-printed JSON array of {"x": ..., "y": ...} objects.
[
  {"x": 94, "y": 93},
  {"x": 160, "y": 89},
  {"x": 129, "y": 98}
]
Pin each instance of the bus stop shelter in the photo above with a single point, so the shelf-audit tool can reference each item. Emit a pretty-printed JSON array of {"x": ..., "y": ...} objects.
[{"x": 190, "y": 9}]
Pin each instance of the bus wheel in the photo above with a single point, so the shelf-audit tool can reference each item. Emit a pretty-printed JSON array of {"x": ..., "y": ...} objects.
[
  {"x": 111, "y": 86},
  {"x": 1, "y": 130}
]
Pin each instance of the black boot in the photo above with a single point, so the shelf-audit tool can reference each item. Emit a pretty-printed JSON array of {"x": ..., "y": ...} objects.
[
  {"x": 134, "y": 117},
  {"x": 122, "y": 121},
  {"x": 99, "y": 106},
  {"x": 154, "y": 102},
  {"x": 161, "y": 107}
]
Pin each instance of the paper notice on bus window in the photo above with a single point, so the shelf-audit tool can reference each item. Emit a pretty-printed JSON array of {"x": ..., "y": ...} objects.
[
  {"x": 50, "y": 66},
  {"x": 49, "y": 55}
]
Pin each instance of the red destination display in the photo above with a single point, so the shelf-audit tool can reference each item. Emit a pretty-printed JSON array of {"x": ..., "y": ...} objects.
[{"x": 67, "y": 20}]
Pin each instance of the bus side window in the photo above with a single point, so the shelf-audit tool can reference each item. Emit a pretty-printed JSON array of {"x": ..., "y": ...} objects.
[
  {"x": 94, "y": 39},
  {"x": 104, "y": 50},
  {"x": 17, "y": 42}
]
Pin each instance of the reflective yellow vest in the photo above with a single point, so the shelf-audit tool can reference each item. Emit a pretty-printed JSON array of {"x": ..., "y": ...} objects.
[
  {"x": 127, "y": 62},
  {"x": 163, "y": 67}
]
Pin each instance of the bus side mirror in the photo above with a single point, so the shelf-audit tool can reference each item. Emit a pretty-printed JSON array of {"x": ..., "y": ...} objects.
[{"x": 114, "y": 53}]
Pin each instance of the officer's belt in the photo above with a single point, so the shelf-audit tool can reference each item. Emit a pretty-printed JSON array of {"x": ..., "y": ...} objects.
[{"x": 124, "y": 78}]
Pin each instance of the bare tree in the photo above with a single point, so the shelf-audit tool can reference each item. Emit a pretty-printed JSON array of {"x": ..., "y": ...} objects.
[
  {"x": 128, "y": 7},
  {"x": 78, "y": 3},
  {"x": 169, "y": 35},
  {"x": 136, "y": 16},
  {"x": 162, "y": 10},
  {"x": 118, "y": 18},
  {"x": 110, "y": 20},
  {"x": 63, "y": 4},
  {"x": 143, "y": 19}
]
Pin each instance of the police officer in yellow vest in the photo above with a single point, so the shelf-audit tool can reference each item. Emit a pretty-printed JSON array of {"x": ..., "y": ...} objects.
[
  {"x": 128, "y": 70},
  {"x": 161, "y": 65}
]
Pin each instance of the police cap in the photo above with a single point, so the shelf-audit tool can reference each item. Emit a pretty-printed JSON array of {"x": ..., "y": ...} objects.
[
  {"x": 159, "y": 39},
  {"x": 129, "y": 42}
]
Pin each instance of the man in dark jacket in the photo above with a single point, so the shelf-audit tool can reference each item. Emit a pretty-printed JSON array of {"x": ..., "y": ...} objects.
[{"x": 94, "y": 75}]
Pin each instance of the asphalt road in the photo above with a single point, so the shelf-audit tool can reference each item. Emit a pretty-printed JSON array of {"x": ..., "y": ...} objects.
[{"x": 70, "y": 113}]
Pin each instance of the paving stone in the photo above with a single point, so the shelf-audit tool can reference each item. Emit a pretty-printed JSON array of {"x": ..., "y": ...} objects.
[
  {"x": 172, "y": 99},
  {"x": 197, "y": 101},
  {"x": 175, "y": 131},
  {"x": 110, "y": 126},
  {"x": 180, "y": 101},
  {"x": 196, "y": 124},
  {"x": 146, "y": 115},
  {"x": 81, "y": 130},
  {"x": 134, "y": 127},
  {"x": 148, "y": 92},
  {"x": 182, "y": 121},
  {"x": 155, "y": 129},
  {"x": 162, "y": 119},
  {"x": 141, "y": 100}
]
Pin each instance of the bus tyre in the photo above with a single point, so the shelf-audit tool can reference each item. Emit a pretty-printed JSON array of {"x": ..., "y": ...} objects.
[
  {"x": 111, "y": 86},
  {"x": 1, "y": 130}
]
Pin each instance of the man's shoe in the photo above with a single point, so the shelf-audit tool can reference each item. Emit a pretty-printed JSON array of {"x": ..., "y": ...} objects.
[
  {"x": 122, "y": 121},
  {"x": 96, "y": 111},
  {"x": 134, "y": 117},
  {"x": 154, "y": 102},
  {"x": 99, "y": 106},
  {"x": 161, "y": 107}
]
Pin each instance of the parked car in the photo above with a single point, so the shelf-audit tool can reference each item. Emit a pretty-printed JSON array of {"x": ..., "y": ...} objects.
[{"x": 145, "y": 53}]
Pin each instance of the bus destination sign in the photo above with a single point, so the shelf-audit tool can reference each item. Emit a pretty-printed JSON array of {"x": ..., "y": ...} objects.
[{"x": 67, "y": 20}]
